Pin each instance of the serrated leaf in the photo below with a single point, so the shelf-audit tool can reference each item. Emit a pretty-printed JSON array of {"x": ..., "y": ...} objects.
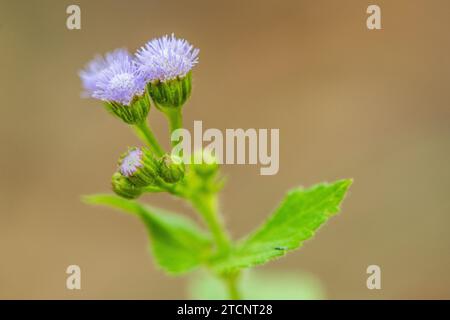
[
  {"x": 297, "y": 218},
  {"x": 178, "y": 245}
]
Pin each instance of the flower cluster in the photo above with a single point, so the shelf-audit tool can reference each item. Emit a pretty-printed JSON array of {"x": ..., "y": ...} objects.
[
  {"x": 120, "y": 77},
  {"x": 160, "y": 71}
]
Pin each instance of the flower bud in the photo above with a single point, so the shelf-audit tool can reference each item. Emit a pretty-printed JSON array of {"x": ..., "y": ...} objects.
[
  {"x": 124, "y": 188},
  {"x": 172, "y": 93},
  {"x": 139, "y": 166},
  {"x": 134, "y": 113},
  {"x": 171, "y": 169},
  {"x": 208, "y": 166}
]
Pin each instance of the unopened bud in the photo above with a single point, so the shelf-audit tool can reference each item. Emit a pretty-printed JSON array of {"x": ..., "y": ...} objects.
[
  {"x": 139, "y": 166},
  {"x": 124, "y": 188},
  {"x": 171, "y": 169}
]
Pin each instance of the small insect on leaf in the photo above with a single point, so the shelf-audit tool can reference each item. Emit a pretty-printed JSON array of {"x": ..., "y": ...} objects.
[{"x": 297, "y": 219}]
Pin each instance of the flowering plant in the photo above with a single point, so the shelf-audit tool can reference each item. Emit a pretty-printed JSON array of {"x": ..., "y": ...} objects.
[{"x": 160, "y": 74}]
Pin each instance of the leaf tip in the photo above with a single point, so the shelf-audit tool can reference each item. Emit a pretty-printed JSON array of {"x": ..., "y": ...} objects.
[{"x": 345, "y": 183}]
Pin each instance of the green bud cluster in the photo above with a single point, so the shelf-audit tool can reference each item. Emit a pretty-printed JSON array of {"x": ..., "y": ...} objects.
[{"x": 139, "y": 171}]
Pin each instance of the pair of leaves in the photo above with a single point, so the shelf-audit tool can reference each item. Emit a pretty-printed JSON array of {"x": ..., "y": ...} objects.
[{"x": 179, "y": 245}]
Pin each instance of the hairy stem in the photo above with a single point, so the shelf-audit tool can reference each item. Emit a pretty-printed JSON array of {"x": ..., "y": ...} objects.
[
  {"x": 206, "y": 204},
  {"x": 146, "y": 134}
]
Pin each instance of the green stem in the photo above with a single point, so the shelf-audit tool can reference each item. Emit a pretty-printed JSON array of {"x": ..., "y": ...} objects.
[
  {"x": 206, "y": 204},
  {"x": 232, "y": 286},
  {"x": 175, "y": 121},
  {"x": 146, "y": 134}
]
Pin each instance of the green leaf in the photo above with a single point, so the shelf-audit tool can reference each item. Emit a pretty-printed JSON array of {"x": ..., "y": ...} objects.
[
  {"x": 301, "y": 213},
  {"x": 259, "y": 285},
  {"x": 176, "y": 242}
]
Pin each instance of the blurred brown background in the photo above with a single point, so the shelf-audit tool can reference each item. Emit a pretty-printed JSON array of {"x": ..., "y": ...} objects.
[{"x": 349, "y": 102}]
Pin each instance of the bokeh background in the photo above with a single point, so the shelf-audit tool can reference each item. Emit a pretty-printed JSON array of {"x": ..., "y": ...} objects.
[{"x": 349, "y": 102}]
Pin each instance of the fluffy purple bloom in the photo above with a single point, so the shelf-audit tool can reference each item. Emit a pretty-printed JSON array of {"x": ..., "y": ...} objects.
[
  {"x": 90, "y": 73},
  {"x": 131, "y": 162},
  {"x": 119, "y": 82},
  {"x": 166, "y": 58}
]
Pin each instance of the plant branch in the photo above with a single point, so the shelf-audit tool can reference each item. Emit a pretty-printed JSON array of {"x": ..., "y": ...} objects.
[
  {"x": 206, "y": 204},
  {"x": 146, "y": 134},
  {"x": 175, "y": 121}
]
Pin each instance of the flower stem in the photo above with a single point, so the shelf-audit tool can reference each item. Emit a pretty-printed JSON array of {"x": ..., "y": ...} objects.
[
  {"x": 175, "y": 121},
  {"x": 146, "y": 134}
]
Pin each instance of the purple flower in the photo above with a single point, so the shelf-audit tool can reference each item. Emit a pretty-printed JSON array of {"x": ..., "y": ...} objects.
[
  {"x": 90, "y": 73},
  {"x": 119, "y": 82},
  {"x": 166, "y": 58},
  {"x": 131, "y": 162}
]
